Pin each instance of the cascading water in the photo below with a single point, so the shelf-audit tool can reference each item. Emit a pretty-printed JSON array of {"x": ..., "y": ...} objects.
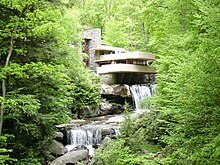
[
  {"x": 84, "y": 137},
  {"x": 139, "y": 92},
  {"x": 117, "y": 130},
  {"x": 87, "y": 136},
  {"x": 153, "y": 89}
]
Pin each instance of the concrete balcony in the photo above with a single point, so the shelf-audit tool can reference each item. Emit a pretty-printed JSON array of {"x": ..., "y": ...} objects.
[
  {"x": 125, "y": 68},
  {"x": 127, "y": 56}
]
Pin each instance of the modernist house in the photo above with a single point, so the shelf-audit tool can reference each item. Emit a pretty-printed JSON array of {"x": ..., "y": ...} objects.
[{"x": 116, "y": 65}]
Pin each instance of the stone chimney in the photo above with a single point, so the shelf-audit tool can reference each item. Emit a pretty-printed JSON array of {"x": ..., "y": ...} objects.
[{"x": 93, "y": 40}]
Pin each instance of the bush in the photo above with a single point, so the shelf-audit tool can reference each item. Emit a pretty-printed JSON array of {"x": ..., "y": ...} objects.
[{"x": 116, "y": 152}]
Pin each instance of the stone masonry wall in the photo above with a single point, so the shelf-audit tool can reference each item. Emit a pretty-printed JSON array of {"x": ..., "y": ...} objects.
[{"x": 94, "y": 35}]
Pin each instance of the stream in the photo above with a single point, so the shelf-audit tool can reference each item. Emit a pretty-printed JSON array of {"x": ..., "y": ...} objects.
[{"x": 90, "y": 132}]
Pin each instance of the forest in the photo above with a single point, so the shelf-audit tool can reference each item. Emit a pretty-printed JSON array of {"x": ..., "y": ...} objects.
[{"x": 44, "y": 81}]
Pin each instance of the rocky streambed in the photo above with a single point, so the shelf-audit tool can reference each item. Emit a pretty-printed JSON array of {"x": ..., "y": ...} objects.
[{"x": 78, "y": 140}]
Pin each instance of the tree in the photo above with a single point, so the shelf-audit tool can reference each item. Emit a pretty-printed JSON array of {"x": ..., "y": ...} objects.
[
  {"x": 125, "y": 27},
  {"x": 120, "y": 21},
  {"x": 185, "y": 35},
  {"x": 41, "y": 75},
  {"x": 12, "y": 35}
]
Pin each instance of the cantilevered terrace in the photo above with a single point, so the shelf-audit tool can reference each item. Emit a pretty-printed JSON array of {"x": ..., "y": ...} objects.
[
  {"x": 129, "y": 62},
  {"x": 125, "y": 67}
]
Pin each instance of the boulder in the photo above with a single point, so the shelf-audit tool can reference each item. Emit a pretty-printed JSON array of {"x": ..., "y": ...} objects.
[
  {"x": 67, "y": 126},
  {"x": 122, "y": 90},
  {"x": 117, "y": 93},
  {"x": 106, "y": 140},
  {"x": 49, "y": 158},
  {"x": 88, "y": 111},
  {"x": 78, "y": 121},
  {"x": 58, "y": 148},
  {"x": 59, "y": 137},
  {"x": 72, "y": 158},
  {"x": 106, "y": 89},
  {"x": 107, "y": 131},
  {"x": 105, "y": 108},
  {"x": 115, "y": 119}
]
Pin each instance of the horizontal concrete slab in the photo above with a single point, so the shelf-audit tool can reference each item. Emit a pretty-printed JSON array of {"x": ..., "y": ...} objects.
[
  {"x": 125, "y": 68},
  {"x": 127, "y": 56}
]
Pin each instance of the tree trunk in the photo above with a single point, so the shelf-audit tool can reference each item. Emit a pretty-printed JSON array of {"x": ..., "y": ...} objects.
[
  {"x": 6, "y": 64},
  {"x": 4, "y": 84}
]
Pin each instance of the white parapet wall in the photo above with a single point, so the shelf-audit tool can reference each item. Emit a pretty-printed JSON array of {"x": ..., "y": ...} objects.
[
  {"x": 125, "y": 68},
  {"x": 127, "y": 55}
]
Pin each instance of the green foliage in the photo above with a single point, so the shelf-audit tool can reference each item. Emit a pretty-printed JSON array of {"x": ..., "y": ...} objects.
[
  {"x": 188, "y": 80},
  {"x": 133, "y": 134},
  {"x": 4, "y": 153},
  {"x": 209, "y": 154},
  {"x": 184, "y": 115},
  {"x": 80, "y": 163},
  {"x": 126, "y": 28},
  {"x": 45, "y": 78},
  {"x": 86, "y": 90},
  {"x": 135, "y": 138},
  {"x": 121, "y": 21},
  {"x": 141, "y": 131},
  {"x": 116, "y": 152}
]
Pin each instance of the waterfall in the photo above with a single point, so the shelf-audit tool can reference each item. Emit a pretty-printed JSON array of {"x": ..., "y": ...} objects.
[
  {"x": 117, "y": 130},
  {"x": 153, "y": 89},
  {"x": 139, "y": 92},
  {"x": 82, "y": 137}
]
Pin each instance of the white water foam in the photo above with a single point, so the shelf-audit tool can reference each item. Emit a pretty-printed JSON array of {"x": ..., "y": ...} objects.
[
  {"x": 139, "y": 92},
  {"x": 80, "y": 137}
]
